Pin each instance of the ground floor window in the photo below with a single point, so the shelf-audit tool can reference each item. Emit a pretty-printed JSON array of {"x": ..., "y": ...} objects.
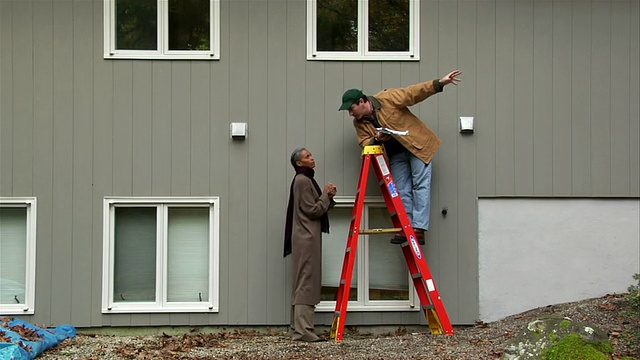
[
  {"x": 380, "y": 276},
  {"x": 160, "y": 255},
  {"x": 17, "y": 255}
]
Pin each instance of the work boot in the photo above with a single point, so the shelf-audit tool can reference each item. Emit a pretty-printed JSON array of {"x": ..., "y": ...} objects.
[
  {"x": 400, "y": 238},
  {"x": 420, "y": 236}
]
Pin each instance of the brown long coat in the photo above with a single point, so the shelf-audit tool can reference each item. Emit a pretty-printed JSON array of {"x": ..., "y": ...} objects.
[
  {"x": 392, "y": 111},
  {"x": 306, "y": 241}
]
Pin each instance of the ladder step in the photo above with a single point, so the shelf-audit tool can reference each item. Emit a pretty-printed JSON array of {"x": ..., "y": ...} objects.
[
  {"x": 342, "y": 282},
  {"x": 416, "y": 276},
  {"x": 380, "y": 231}
]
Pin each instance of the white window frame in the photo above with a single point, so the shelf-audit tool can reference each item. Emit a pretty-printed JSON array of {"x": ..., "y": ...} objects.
[
  {"x": 28, "y": 308},
  {"x": 363, "y": 53},
  {"x": 161, "y": 305},
  {"x": 363, "y": 303},
  {"x": 163, "y": 52}
]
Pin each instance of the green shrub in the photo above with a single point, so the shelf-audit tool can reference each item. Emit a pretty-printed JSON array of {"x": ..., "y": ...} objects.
[
  {"x": 574, "y": 347},
  {"x": 634, "y": 311},
  {"x": 634, "y": 295}
]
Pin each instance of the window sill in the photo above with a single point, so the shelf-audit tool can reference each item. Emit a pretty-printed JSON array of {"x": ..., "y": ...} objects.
[
  {"x": 19, "y": 309},
  {"x": 129, "y": 56},
  {"x": 330, "y": 306},
  {"x": 355, "y": 57},
  {"x": 150, "y": 310}
]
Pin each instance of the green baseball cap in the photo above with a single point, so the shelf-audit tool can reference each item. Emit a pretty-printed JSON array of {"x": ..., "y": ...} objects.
[{"x": 349, "y": 98}]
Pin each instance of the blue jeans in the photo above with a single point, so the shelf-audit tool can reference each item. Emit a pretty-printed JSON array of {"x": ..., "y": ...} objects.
[{"x": 413, "y": 179}]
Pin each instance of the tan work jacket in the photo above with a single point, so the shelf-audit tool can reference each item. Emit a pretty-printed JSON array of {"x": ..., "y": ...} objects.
[{"x": 391, "y": 106}]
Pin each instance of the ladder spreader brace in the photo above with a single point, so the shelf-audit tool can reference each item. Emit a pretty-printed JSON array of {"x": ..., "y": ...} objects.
[{"x": 430, "y": 300}]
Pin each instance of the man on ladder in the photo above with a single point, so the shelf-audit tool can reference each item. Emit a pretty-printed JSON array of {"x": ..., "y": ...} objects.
[{"x": 385, "y": 119}]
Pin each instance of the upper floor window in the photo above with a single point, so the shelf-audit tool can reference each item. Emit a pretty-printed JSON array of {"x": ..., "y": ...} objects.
[
  {"x": 161, "y": 29},
  {"x": 160, "y": 255},
  {"x": 17, "y": 255},
  {"x": 363, "y": 30}
]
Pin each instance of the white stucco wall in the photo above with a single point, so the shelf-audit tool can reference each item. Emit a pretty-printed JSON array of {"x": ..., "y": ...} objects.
[{"x": 539, "y": 252}]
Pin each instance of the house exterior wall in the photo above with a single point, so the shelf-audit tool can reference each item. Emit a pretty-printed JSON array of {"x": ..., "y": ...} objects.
[{"x": 553, "y": 86}]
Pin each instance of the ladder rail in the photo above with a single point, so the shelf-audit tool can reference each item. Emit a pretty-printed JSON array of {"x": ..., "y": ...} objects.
[
  {"x": 430, "y": 300},
  {"x": 344, "y": 287}
]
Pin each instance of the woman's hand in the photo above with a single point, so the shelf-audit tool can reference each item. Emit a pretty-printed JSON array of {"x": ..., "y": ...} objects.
[{"x": 330, "y": 189}]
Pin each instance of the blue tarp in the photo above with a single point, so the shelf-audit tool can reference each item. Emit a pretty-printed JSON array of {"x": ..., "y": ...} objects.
[{"x": 50, "y": 337}]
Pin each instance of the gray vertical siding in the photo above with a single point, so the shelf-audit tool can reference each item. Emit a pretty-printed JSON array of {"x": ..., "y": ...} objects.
[
  {"x": 600, "y": 137},
  {"x": 6, "y": 95},
  {"x": 560, "y": 89},
  {"x": 220, "y": 160},
  {"x": 523, "y": 97},
  {"x": 444, "y": 243},
  {"x": 23, "y": 104},
  {"x": 505, "y": 117},
  {"x": 277, "y": 172},
  {"x": 237, "y": 274},
  {"x": 63, "y": 265},
  {"x": 465, "y": 207},
  {"x": 81, "y": 235},
  {"x": 485, "y": 99},
  {"x": 625, "y": 91},
  {"x": 542, "y": 112},
  {"x": 43, "y": 89},
  {"x": 553, "y": 85},
  {"x": 102, "y": 165},
  {"x": 258, "y": 187}
]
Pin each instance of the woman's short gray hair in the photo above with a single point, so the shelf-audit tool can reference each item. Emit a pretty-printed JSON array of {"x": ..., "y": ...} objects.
[{"x": 296, "y": 156}]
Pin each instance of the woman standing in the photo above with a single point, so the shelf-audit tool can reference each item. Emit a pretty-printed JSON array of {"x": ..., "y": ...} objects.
[{"x": 306, "y": 220}]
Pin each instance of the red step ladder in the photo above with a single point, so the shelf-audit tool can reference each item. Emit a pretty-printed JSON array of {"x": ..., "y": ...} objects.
[{"x": 430, "y": 300}]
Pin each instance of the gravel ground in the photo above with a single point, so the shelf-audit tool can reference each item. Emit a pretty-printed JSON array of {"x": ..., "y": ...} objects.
[{"x": 482, "y": 341}]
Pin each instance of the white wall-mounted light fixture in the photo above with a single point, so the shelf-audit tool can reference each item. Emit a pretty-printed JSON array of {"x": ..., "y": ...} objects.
[
  {"x": 238, "y": 130},
  {"x": 466, "y": 124}
]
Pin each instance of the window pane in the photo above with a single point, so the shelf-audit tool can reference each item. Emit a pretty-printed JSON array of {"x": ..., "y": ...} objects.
[
  {"x": 136, "y": 24},
  {"x": 13, "y": 255},
  {"x": 388, "y": 274},
  {"x": 333, "y": 247},
  {"x": 389, "y": 25},
  {"x": 189, "y": 25},
  {"x": 135, "y": 254},
  {"x": 188, "y": 255},
  {"x": 337, "y": 25}
]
